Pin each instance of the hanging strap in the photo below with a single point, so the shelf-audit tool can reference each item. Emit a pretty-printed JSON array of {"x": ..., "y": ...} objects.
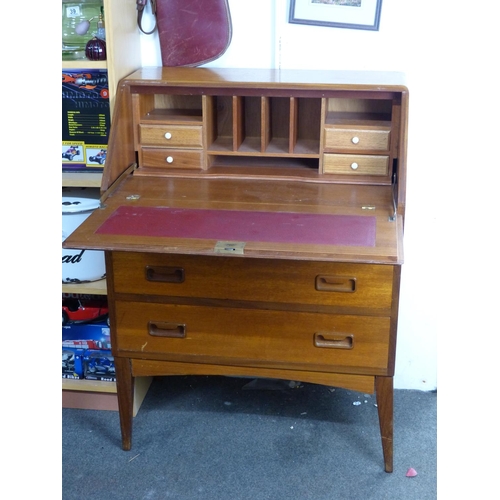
[{"x": 141, "y": 4}]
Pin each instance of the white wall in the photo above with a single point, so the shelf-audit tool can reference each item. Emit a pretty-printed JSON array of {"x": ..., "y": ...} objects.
[{"x": 433, "y": 43}]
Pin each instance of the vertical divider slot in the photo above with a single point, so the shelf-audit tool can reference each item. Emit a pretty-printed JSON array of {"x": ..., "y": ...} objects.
[
  {"x": 224, "y": 122},
  {"x": 265, "y": 125},
  {"x": 309, "y": 125},
  {"x": 251, "y": 124},
  {"x": 323, "y": 113},
  {"x": 293, "y": 124},
  {"x": 279, "y": 126},
  {"x": 238, "y": 122},
  {"x": 209, "y": 123}
]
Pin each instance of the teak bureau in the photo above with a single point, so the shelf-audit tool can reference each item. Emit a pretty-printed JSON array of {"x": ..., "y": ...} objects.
[{"x": 253, "y": 222}]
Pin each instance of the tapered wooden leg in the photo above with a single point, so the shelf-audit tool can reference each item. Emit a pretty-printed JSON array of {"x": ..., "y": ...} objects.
[
  {"x": 125, "y": 390},
  {"x": 385, "y": 401}
]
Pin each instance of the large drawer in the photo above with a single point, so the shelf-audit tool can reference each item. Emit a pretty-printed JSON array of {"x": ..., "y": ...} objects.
[
  {"x": 171, "y": 136},
  {"x": 171, "y": 158},
  {"x": 260, "y": 280},
  {"x": 254, "y": 337},
  {"x": 357, "y": 138}
]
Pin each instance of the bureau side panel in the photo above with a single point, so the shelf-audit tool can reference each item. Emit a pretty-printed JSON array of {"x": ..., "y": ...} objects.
[{"x": 394, "y": 320}]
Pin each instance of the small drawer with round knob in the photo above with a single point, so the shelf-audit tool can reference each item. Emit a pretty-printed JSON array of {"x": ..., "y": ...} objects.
[
  {"x": 376, "y": 138},
  {"x": 171, "y": 158},
  {"x": 171, "y": 136},
  {"x": 355, "y": 164}
]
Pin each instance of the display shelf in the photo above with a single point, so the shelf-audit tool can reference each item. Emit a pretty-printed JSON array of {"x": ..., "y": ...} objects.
[
  {"x": 88, "y": 385},
  {"x": 93, "y": 287},
  {"x": 84, "y": 64},
  {"x": 81, "y": 179},
  {"x": 123, "y": 46},
  {"x": 123, "y": 57},
  {"x": 97, "y": 395}
]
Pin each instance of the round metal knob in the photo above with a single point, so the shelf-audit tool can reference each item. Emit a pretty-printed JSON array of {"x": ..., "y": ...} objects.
[
  {"x": 169, "y": 159},
  {"x": 354, "y": 165},
  {"x": 168, "y": 135},
  {"x": 355, "y": 140}
]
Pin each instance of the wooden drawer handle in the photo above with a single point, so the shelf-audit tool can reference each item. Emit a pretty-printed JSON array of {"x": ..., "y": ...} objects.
[
  {"x": 165, "y": 329},
  {"x": 333, "y": 341},
  {"x": 335, "y": 284},
  {"x": 165, "y": 274}
]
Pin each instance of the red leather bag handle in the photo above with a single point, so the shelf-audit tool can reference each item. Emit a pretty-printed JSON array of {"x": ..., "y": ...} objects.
[{"x": 141, "y": 5}]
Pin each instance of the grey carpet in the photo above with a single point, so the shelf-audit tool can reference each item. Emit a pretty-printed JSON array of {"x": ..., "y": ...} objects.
[{"x": 221, "y": 438}]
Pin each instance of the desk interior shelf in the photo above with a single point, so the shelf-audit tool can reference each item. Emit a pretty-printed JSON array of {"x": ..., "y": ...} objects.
[{"x": 327, "y": 135}]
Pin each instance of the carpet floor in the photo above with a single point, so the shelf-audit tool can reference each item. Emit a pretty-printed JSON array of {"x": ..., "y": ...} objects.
[{"x": 223, "y": 438}]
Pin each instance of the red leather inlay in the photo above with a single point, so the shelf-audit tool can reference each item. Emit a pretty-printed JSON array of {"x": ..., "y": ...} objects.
[{"x": 235, "y": 225}]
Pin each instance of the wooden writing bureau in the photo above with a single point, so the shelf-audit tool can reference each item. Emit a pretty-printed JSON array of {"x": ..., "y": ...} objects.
[{"x": 252, "y": 222}]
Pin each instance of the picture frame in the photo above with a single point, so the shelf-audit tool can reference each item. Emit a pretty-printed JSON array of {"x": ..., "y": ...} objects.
[{"x": 352, "y": 14}]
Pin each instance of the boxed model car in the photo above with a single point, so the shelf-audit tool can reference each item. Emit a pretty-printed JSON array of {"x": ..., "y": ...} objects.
[
  {"x": 84, "y": 310},
  {"x": 72, "y": 362},
  {"x": 85, "y": 119},
  {"x": 99, "y": 365},
  {"x": 86, "y": 336}
]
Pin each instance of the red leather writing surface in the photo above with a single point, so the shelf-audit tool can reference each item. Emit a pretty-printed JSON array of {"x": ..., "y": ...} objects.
[{"x": 235, "y": 225}]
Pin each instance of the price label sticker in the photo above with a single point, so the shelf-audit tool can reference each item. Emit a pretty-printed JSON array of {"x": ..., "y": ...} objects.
[{"x": 73, "y": 11}]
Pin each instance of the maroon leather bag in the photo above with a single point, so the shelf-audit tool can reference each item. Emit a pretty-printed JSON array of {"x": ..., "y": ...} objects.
[{"x": 191, "y": 32}]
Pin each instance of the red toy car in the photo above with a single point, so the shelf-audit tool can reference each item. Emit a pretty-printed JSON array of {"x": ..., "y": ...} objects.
[{"x": 83, "y": 311}]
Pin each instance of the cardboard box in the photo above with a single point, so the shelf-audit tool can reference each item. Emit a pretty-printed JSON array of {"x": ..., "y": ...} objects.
[
  {"x": 99, "y": 365},
  {"x": 85, "y": 119},
  {"x": 94, "y": 336},
  {"x": 72, "y": 363}
]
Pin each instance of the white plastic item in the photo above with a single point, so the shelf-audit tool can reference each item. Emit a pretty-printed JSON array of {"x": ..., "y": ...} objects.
[{"x": 79, "y": 266}]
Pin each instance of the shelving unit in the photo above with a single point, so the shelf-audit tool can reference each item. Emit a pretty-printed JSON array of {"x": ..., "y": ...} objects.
[{"x": 123, "y": 57}]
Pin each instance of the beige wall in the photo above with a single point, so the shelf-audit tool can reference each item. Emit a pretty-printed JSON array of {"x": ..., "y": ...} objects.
[{"x": 437, "y": 45}]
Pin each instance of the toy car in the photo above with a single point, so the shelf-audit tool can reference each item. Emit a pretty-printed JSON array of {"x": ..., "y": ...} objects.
[
  {"x": 68, "y": 362},
  {"x": 83, "y": 311},
  {"x": 70, "y": 153},
  {"x": 100, "y": 365},
  {"x": 99, "y": 157}
]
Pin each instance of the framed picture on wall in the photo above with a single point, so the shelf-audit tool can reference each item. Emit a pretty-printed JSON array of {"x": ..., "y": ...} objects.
[{"x": 353, "y": 14}]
